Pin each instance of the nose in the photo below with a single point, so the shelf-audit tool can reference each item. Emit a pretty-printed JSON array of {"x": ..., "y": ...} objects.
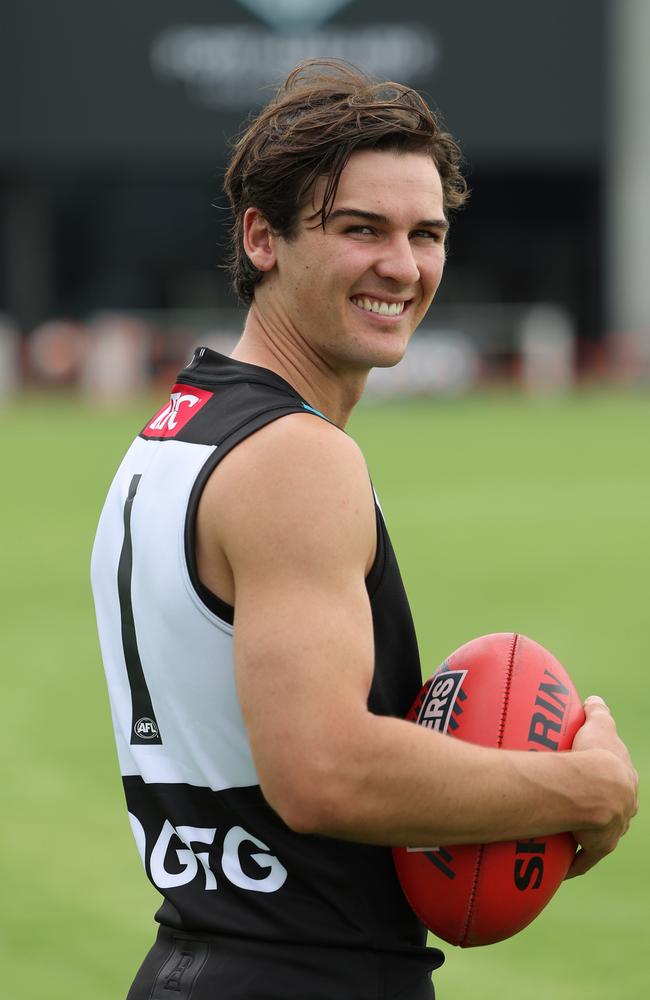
[{"x": 397, "y": 261}]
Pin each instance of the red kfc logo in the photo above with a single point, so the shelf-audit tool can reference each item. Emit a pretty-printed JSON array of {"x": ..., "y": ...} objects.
[{"x": 184, "y": 402}]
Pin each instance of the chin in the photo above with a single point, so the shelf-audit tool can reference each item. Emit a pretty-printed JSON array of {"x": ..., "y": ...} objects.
[
  {"x": 388, "y": 353},
  {"x": 388, "y": 359},
  {"x": 362, "y": 353}
]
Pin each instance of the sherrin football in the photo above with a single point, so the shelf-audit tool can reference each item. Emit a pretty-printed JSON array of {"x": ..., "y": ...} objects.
[{"x": 502, "y": 690}]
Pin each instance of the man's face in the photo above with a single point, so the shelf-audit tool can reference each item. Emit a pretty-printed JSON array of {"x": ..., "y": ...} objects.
[{"x": 355, "y": 291}]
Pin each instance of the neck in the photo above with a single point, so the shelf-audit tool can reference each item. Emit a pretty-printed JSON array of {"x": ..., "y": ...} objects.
[{"x": 332, "y": 391}]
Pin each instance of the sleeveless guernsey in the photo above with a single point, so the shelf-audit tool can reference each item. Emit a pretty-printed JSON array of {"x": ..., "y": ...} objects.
[{"x": 223, "y": 860}]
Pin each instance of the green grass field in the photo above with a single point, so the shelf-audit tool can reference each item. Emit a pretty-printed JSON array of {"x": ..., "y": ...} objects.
[{"x": 506, "y": 515}]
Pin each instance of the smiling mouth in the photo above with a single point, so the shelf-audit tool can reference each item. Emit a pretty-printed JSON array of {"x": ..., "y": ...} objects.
[{"x": 379, "y": 306}]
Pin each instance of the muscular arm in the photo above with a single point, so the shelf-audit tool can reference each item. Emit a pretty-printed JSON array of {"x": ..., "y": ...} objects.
[{"x": 287, "y": 525}]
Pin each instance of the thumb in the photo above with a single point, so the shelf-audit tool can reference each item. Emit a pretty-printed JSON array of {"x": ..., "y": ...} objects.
[{"x": 594, "y": 703}]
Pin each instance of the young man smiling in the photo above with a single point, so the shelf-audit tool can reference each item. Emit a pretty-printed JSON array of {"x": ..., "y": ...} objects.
[
  {"x": 341, "y": 298},
  {"x": 258, "y": 642}
]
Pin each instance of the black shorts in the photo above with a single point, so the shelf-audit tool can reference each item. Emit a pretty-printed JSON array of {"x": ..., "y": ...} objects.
[{"x": 183, "y": 966}]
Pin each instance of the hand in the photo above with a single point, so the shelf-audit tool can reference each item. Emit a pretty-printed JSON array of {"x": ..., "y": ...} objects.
[{"x": 619, "y": 784}]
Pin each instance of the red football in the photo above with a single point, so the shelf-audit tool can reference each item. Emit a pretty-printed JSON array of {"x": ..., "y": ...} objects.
[{"x": 502, "y": 690}]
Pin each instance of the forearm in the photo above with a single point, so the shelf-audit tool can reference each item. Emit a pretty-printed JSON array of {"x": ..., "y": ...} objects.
[{"x": 397, "y": 783}]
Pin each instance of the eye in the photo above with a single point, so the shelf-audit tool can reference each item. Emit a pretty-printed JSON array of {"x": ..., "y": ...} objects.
[
  {"x": 360, "y": 230},
  {"x": 430, "y": 235}
]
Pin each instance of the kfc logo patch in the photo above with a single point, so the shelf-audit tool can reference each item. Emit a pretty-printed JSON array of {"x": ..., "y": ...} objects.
[{"x": 184, "y": 403}]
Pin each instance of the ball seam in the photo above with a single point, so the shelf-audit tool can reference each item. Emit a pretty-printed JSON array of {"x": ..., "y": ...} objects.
[{"x": 506, "y": 696}]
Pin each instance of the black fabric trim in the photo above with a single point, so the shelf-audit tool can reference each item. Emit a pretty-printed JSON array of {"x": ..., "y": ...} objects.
[
  {"x": 217, "y": 606},
  {"x": 141, "y": 706},
  {"x": 376, "y": 571},
  {"x": 200, "y": 428},
  {"x": 211, "y": 370},
  {"x": 219, "y": 368}
]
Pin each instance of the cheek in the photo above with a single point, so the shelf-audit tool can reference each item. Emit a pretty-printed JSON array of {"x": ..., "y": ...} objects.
[{"x": 432, "y": 269}]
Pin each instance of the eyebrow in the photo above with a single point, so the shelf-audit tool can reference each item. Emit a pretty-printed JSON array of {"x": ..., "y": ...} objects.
[{"x": 357, "y": 213}]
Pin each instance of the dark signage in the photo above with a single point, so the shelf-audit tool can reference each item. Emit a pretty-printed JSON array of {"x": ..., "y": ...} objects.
[{"x": 88, "y": 80}]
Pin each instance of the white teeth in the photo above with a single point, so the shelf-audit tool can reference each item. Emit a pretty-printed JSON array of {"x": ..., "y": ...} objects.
[{"x": 381, "y": 308}]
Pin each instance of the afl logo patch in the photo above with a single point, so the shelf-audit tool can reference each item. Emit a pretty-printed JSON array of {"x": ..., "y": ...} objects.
[
  {"x": 146, "y": 729},
  {"x": 440, "y": 704}
]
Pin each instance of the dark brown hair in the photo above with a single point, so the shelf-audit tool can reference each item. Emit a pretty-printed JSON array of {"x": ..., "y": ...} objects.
[{"x": 324, "y": 111}]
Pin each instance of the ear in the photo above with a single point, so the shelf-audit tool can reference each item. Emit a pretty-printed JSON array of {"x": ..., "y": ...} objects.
[{"x": 259, "y": 240}]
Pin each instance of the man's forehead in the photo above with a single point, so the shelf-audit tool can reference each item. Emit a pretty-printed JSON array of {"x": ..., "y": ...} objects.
[
  {"x": 378, "y": 162},
  {"x": 387, "y": 182}
]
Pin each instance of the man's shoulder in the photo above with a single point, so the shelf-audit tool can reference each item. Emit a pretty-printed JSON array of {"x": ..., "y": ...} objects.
[
  {"x": 297, "y": 481},
  {"x": 301, "y": 445}
]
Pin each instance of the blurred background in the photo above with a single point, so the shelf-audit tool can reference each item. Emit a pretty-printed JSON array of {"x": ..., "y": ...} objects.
[
  {"x": 509, "y": 448},
  {"x": 114, "y": 129}
]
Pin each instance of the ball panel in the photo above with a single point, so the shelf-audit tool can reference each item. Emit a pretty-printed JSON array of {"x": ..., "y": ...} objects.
[
  {"x": 517, "y": 880},
  {"x": 545, "y": 710},
  {"x": 437, "y": 869},
  {"x": 467, "y": 696}
]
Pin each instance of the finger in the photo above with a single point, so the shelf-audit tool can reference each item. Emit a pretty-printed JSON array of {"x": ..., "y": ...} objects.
[{"x": 582, "y": 862}]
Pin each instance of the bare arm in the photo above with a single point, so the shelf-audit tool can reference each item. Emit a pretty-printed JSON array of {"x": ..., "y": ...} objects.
[{"x": 290, "y": 514}]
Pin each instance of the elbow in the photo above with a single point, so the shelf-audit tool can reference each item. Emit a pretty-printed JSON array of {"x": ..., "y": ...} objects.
[
  {"x": 316, "y": 803},
  {"x": 300, "y": 815}
]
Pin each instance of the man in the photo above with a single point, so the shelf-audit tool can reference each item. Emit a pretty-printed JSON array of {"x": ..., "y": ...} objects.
[{"x": 258, "y": 643}]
